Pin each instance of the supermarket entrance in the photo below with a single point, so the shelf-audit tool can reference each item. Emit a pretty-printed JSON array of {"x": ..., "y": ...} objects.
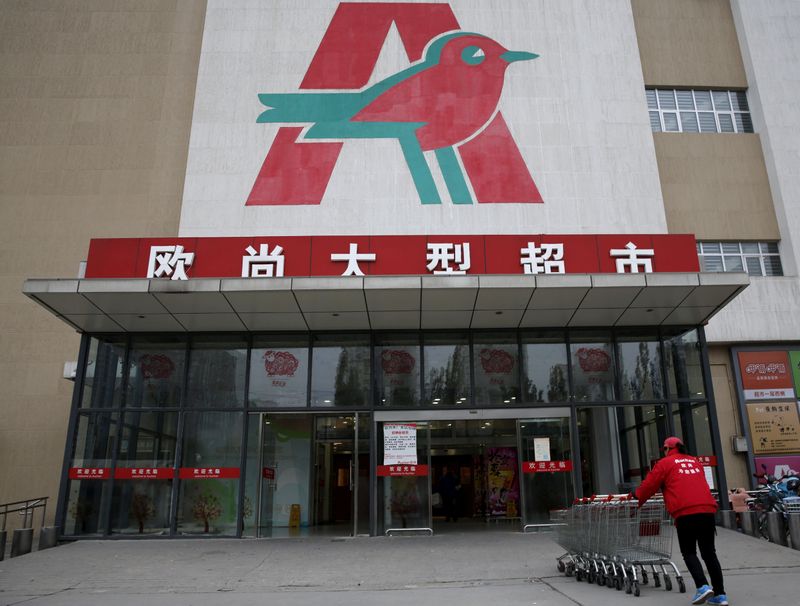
[{"x": 480, "y": 473}]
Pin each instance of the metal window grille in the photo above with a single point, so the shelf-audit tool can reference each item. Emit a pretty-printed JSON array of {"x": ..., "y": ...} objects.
[
  {"x": 755, "y": 258},
  {"x": 698, "y": 111}
]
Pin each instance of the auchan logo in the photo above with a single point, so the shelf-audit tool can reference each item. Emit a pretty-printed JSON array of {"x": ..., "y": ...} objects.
[{"x": 445, "y": 102}]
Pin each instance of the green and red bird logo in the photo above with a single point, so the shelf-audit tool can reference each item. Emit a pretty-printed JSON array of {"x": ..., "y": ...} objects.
[{"x": 446, "y": 103}]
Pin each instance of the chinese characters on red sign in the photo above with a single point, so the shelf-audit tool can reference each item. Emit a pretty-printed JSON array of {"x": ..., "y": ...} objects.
[
  {"x": 89, "y": 473},
  {"x": 546, "y": 466},
  {"x": 295, "y": 256},
  {"x": 402, "y": 470},
  {"x": 766, "y": 375}
]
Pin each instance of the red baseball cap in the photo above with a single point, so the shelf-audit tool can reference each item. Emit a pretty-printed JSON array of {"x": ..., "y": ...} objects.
[{"x": 672, "y": 442}]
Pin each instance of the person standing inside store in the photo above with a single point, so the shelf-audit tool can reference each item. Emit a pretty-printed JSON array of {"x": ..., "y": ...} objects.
[
  {"x": 448, "y": 488},
  {"x": 688, "y": 499}
]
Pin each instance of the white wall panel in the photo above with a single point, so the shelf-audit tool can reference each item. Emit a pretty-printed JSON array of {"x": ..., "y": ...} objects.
[
  {"x": 769, "y": 309},
  {"x": 577, "y": 113}
]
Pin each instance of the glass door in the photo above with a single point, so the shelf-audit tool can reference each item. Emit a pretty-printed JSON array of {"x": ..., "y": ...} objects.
[
  {"x": 303, "y": 476},
  {"x": 404, "y": 482},
  {"x": 547, "y": 465}
]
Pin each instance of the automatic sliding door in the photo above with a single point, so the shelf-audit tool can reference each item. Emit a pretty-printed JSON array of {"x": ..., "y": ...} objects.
[
  {"x": 547, "y": 467},
  {"x": 404, "y": 483}
]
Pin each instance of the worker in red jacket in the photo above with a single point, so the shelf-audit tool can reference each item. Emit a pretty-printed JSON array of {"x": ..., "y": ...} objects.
[{"x": 688, "y": 499}]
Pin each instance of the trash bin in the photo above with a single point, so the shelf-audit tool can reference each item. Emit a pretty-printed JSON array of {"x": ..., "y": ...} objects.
[
  {"x": 749, "y": 523},
  {"x": 48, "y": 537},
  {"x": 21, "y": 541},
  {"x": 728, "y": 519},
  {"x": 776, "y": 528},
  {"x": 793, "y": 519}
]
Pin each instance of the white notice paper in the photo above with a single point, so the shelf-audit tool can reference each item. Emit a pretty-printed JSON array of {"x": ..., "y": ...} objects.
[
  {"x": 541, "y": 449},
  {"x": 399, "y": 443},
  {"x": 709, "y": 476}
]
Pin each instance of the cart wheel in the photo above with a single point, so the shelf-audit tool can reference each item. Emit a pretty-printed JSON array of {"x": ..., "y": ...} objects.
[
  {"x": 656, "y": 580},
  {"x": 578, "y": 576},
  {"x": 560, "y": 566},
  {"x": 667, "y": 583},
  {"x": 628, "y": 586},
  {"x": 681, "y": 585},
  {"x": 636, "y": 590},
  {"x": 609, "y": 582},
  {"x": 618, "y": 584},
  {"x": 570, "y": 570},
  {"x": 644, "y": 577},
  {"x": 601, "y": 579}
]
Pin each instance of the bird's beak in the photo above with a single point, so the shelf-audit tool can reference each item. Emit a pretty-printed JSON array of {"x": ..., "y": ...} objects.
[{"x": 511, "y": 56}]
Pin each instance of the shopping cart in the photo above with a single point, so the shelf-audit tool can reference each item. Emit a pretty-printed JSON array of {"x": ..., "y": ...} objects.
[{"x": 611, "y": 541}]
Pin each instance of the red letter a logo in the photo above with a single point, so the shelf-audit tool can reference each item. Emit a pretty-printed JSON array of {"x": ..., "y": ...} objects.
[{"x": 298, "y": 172}]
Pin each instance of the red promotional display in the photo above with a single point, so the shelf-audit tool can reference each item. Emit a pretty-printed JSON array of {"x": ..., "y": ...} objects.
[
  {"x": 296, "y": 256},
  {"x": 766, "y": 375},
  {"x": 209, "y": 473},
  {"x": 546, "y": 466},
  {"x": 268, "y": 473},
  {"x": 144, "y": 473},
  {"x": 402, "y": 470},
  {"x": 89, "y": 473}
]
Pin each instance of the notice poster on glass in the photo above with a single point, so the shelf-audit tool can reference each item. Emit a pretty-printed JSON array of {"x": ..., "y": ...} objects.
[
  {"x": 709, "y": 472},
  {"x": 541, "y": 449},
  {"x": 399, "y": 443}
]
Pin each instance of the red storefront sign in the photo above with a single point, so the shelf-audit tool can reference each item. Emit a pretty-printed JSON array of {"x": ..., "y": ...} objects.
[
  {"x": 208, "y": 473},
  {"x": 290, "y": 256},
  {"x": 766, "y": 375},
  {"x": 268, "y": 473},
  {"x": 707, "y": 461},
  {"x": 402, "y": 470},
  {"x": 89, "y": 473},
  {"x": 546, "y": 466},
  {"x": 144, "y": 473}
]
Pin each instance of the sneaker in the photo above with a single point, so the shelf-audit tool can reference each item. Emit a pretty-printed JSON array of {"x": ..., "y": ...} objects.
[
  {"x": 703, "y": 593},
  {"x": 718, "y": 600}
]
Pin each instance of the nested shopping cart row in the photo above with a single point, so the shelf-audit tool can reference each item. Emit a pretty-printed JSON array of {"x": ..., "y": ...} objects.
[{"x": 611, "y": 541}]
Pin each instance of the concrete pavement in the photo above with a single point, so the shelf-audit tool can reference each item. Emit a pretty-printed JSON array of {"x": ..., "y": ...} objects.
[{"x": 465, "y": 568}]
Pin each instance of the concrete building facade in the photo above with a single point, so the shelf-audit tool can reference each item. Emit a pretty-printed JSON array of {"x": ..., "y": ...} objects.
[{"x": 135, "y": 125}]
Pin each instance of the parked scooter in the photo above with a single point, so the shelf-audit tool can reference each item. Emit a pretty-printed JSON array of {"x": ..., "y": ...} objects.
[{"x": 773, "y": 498}]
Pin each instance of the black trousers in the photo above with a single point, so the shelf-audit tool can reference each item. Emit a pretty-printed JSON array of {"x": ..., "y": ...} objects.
[{"x": 697, "y": 531}]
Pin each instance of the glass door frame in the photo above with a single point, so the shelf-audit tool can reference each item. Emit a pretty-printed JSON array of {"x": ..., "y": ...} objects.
[
  {"x": 539, "y": 414},
  {"x": 258, "y": 417}
]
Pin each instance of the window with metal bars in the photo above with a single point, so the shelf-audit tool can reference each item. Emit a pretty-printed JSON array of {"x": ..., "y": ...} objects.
[
  {"x": 755, "y": 258},
  {"x": 698, "y": 111}
]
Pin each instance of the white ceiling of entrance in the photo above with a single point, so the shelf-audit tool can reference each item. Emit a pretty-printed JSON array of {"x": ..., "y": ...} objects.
[{"x": 381, "y": 303}]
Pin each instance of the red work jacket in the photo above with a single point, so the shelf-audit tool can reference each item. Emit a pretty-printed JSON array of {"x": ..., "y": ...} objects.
[{"x": 682, "y": 480}]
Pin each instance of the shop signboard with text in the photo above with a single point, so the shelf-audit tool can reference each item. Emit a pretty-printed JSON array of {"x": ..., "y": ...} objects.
[
  {"x": 440, "y": 255},
  {"x": 766, "y": 375},
  {"x": 774, "y": 427}
]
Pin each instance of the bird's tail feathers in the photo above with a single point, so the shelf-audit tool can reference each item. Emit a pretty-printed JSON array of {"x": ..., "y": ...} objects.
[{"x": 308, "y": 107}]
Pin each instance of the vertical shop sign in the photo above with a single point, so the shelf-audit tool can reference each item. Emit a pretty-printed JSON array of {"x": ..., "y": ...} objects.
[
  {"x": 774, "y": 427},
  {"x": 765, "y": 375},
  {"x": 400, "y": 444},
  {"x": 794, "y": 361}
]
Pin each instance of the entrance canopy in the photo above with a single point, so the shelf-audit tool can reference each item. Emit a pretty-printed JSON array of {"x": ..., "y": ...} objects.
[{"x": 386, "y": 302}]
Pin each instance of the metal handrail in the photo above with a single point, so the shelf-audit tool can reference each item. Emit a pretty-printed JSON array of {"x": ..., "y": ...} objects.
[{"x": 25, "y": 509}]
